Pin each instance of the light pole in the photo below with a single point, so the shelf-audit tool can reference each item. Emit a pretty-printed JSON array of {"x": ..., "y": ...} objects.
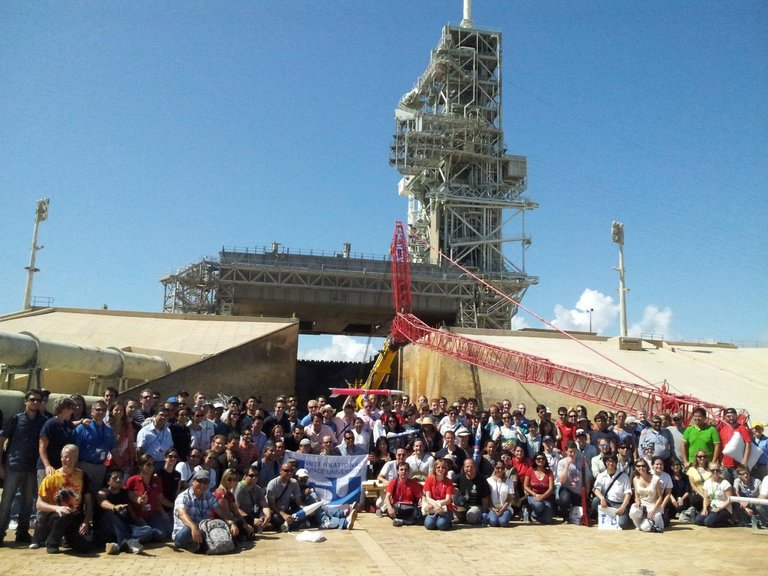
[
  {"x": 617, "y": 235},
  {"x": 41, "y": 214},
  {"x": 590, "y": 318}
]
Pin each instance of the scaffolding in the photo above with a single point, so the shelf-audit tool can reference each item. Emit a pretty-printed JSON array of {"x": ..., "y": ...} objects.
[{"x": 463, "y": 189}]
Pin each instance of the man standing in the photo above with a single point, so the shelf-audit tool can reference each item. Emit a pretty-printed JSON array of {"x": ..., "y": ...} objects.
[
  {"x": 95, "y": 442},
  {"x": 65, "y": 506},
  {"x": 657, "y": 439},
  {"x": 55, "y": 434},
  {"x": 676, "y": 431},
  {"x": 728, "y": 430},
  {"x": 156, "y": 439},
  {"x": 700, "y": 436},
  {"x": 23, "y": 434}
]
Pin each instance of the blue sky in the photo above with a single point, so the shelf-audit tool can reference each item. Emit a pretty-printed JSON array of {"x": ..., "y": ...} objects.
[{"x": 163, "y": 131}]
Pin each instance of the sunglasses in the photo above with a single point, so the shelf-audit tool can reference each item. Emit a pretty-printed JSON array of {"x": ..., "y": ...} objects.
[{"x": 252, "y": 475}]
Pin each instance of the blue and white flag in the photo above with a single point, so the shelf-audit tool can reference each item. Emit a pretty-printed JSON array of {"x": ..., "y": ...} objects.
[{"x": 336, "y": 479}]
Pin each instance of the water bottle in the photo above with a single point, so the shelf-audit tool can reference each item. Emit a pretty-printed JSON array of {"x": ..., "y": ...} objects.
[{"x": 526, "y": 515}]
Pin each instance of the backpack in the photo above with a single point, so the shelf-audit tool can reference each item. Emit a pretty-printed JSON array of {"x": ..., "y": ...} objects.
[{"x": 218, "y": 539}]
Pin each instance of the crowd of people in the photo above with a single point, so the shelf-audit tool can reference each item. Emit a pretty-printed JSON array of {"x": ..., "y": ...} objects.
[{"x": 121, "y": 473}]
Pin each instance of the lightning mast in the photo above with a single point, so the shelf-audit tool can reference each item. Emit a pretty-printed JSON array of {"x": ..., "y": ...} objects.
[{"x": 41, "y": 215}]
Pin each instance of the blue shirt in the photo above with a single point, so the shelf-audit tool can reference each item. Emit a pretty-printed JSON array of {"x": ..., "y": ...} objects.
[{"x": 94, "y": 442}]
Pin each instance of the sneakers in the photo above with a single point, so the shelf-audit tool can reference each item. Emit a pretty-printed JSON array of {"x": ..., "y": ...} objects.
[
  {"x": 53, "y": 550},
  {"x": 351, "y": 519},
  {"x": 134, "y": 546},
  {"x": 397, "y": 522},
  {"x": 112, "y": 548},
  {"x": 34, "y": 546},
  {"x": 284, "y": 527}
]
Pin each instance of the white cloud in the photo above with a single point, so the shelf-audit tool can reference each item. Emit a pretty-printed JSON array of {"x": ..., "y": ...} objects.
[
  {"x": 343, "y": 349},
  {"x": 518, "y": 322},
  {"x": 655, "y": 321},
  {"x": 604, "y": 312}
]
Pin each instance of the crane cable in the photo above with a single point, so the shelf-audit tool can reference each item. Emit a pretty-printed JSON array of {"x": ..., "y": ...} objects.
[{"x": 425, "y": 242}]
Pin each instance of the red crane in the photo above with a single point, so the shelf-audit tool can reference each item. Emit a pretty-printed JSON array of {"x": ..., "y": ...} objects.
[{"x": 588, "y": 386}]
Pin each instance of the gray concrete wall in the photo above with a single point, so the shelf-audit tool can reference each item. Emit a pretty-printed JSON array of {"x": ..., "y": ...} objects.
[{"x": 265, "y": 366}]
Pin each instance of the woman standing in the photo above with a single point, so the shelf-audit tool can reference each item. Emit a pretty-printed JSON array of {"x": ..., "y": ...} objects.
[
  {"x": 539, "y": 486},
  {"x": 502, "y": 493},
  {"x": 123, "y": 455},
  {"x": 437, "y": 504},
  {"x": 647, "y": 509}
]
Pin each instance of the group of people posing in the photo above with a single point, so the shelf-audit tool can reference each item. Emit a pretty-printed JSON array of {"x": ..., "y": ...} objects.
[{"x": 122, "y": 473}]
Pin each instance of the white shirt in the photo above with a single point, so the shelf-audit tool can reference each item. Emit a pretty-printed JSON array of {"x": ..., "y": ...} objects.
[
  {"x": 420, "y": 465},
  {"x": 501, "y": 490},
  {"x": 619, "y": 489}
]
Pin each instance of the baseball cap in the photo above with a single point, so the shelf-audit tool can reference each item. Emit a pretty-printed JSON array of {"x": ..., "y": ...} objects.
[{"x": 302, "y": 473}]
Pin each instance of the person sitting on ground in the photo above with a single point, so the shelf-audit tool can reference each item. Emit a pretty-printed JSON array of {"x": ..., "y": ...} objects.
[
  {"x": 326, "y": 517},
  {"x": 646, "y": 512},
  {"x": 147, "y": 498},
  {"x": 225, "y": 494},
  {"x": 716, "y": 509},
  {"x": 437, "y": 501},
  {"x": 193, "y": 506},
  {"x": 284, "y": 499},
  {"x": 502, "y": 493},
  {"x": 746, "y": 487},
  {"x": 613, "y": 489},
  {"x": 568, "y": 480},
  {"x": 251, "y": 500},
  {"x": 473, "y": 498},
  {"x": 678, "y": 499},
  {"x": 65, "y": 506},
  {"x": 117, "y": 524},
  {"x": 402, "y": 500},
  {"x": 539, "y": 487}
]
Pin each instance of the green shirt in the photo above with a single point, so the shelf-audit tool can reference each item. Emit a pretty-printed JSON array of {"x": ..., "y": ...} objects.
[{"x": 703, "y": 439}]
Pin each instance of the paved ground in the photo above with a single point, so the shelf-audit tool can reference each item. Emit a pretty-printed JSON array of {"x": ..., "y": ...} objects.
[{"x": 376, "y": 547}]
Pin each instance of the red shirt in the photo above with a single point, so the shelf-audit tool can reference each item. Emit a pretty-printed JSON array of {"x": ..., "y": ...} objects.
[
  {"x": 439, "y": 490},
  {"x": 538, "y": 486},
  {"x": 726, "y": 432},
  {"x": 567, "y": 432},
  {"x": 407, "y": 492},
  {"x": 154, "y": 490}
]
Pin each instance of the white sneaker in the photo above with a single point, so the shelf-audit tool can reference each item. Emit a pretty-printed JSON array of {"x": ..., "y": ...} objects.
[
  {"x": 134, "y": 546},
  {"x": 351, "y": 519},
  {"x": 34, "y": 546}
]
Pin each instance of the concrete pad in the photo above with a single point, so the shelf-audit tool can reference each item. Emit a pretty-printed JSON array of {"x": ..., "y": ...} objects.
[{"x": 376, "y": 547}]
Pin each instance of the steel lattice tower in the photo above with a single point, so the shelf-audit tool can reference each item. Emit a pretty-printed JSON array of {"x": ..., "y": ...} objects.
[{"x": 463, "y": 188}]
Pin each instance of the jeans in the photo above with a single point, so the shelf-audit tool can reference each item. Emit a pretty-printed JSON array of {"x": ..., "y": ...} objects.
[
  {"x": 442, "y": 521},
  {"x": 118, "y": 529},
  {"x": 542, "y": 511},
  {"x": 500, "y": 521},
  {"x": 714, "y": 519},
  {"x": 183, "y": 539},
  {"x": 566, "y": 499},
  {"x": 26, "y": 484}
]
